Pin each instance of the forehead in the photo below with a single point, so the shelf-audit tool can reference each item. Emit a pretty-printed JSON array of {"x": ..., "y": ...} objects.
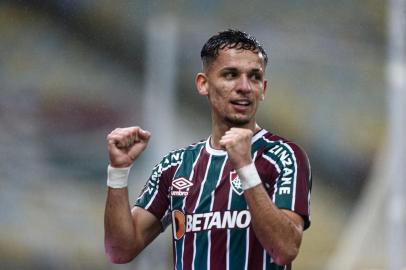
[{"x": 238, "y": 58}]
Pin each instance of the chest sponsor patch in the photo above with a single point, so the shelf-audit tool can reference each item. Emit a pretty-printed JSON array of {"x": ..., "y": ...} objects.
[{"x": 192, "y": 223}]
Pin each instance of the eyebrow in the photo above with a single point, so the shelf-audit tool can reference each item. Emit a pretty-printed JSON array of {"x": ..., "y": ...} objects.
[
  {"x": 255, "y": 70},
  {"x": 229, "y": 69}
]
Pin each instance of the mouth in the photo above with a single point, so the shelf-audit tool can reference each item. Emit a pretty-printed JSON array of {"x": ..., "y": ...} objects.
[{"x": 241, "y": 105}]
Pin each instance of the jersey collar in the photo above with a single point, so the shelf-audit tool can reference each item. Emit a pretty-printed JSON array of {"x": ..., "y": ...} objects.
[{"x": 218, "y": 152}]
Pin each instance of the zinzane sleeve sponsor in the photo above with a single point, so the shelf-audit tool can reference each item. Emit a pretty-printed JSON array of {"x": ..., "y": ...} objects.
[
  {"x": 155, "y": 194},
  {"x": 293, "y": 185}
]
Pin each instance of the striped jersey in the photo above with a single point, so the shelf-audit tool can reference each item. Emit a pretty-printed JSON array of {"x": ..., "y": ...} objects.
[{"x": 197, "y": 191}]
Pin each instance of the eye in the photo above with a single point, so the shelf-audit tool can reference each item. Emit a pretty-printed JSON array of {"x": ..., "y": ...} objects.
[
  {"x": 256, "y": 76},
  {"x": 230, "y": 75}
]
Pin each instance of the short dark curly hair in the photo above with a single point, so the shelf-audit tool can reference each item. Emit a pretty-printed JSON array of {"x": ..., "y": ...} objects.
[{"x": 231, "y": 39}]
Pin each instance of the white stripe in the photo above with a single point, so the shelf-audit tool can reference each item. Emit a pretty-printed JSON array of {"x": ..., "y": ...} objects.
[
  {"x": 194, "y": 164},
  {"x": 247, "y": 245},
  {"x": 264, "y": 262},
  {"x": 211, "y": 209},
  {"x": 273, "y": 162},
  {"x": 230, "y": 196},
  {"x": 176, "y": 243},
  {"x": 260, "y": 133},
  {"x": 278, "y": 169},
  {"x": 254, "y": 156},
  {"x": 197, "y": 204},
  {"x": 275, "y": 189},
  {"x": 208, "y": 249},
  {"x": 183, "y": 206},
  {"x": 212, "y": 151}
]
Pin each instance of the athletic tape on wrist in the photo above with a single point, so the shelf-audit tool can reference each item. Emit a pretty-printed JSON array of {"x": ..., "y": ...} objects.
[
  {"x": 117, "y": 177},
  {"x": 249, "y": 176}
]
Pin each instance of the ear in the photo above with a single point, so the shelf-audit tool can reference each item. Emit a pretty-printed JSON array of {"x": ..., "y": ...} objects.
[{"x": 202, "y": 84}]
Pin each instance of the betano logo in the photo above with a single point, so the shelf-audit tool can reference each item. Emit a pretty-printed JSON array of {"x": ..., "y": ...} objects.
[{"x": 207, "y": 221}]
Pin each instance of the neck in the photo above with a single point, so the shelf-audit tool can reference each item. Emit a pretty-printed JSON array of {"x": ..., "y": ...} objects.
[{"x": 218, "y": 130}]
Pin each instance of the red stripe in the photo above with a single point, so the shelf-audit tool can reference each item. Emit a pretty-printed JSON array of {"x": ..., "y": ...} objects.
[
  {"x": 267, "y": 172},
  {"x": 188, "y": 251},
  {"x": 255, "y": 253},
  {"x": 218, "y": 251},
  {"x": 199, "y": 172}
]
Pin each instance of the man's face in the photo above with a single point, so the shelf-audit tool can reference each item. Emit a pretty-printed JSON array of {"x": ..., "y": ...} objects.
[{"x": 234, "y": 83}]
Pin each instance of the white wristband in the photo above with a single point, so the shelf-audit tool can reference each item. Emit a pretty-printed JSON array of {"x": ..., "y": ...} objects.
[
  {"x": 117, "y": 177},
  {"x": 249, "y": 176}
]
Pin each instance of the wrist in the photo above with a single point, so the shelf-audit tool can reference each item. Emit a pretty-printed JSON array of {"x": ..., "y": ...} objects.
[
  {"x": 248, "y": 176},
  {"x": 117, "y": 177}
]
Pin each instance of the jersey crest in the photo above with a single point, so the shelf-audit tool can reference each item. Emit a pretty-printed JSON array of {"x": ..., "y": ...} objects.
[{"x": 236, "y": 183}]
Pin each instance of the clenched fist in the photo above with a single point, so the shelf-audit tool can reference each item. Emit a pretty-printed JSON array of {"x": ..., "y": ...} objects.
[
  {"x": 125, "y": 145},
  {"x": 237, "y": 143}
]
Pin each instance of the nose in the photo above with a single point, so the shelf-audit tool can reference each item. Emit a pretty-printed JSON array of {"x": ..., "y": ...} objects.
[{"x": 244, "y": 84}]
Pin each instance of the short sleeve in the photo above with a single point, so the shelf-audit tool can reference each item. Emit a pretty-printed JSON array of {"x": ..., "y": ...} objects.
[
  {"x": 294, "y": 182},
  {"x": 155, "y": 194}
]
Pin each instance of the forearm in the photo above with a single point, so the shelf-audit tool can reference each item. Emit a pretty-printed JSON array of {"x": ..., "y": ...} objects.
[
  {"x": 127, "y": 231},
  {"x": 274, "y": 229},
  {"x": 119, "y": 228},
  {"x": 279, "y": 231}
]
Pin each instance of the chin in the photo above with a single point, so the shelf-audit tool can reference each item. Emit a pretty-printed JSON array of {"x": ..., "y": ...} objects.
[{"x": 237, "y": 122}]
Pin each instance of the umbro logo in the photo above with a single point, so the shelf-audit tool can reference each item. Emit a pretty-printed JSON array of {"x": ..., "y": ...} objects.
[{"x": 179, "y": 187}]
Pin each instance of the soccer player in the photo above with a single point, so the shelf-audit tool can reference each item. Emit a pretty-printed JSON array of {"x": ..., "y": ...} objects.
[{"x": 237, "y": 200}]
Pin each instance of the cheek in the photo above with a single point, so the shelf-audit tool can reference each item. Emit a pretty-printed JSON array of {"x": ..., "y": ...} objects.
[{"x": 217, "y": 92}]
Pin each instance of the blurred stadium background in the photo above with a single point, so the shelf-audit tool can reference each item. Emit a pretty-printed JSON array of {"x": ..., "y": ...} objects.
[{"x": 71, "y": 71}]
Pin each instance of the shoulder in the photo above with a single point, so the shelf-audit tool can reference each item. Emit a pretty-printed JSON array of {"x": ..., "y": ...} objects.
[
  {"x": 272, "y": 139},
  {"x": 282, "y": 148},
  {"x": 176, "y": 155},
  {"x": 195, "y": 146}
]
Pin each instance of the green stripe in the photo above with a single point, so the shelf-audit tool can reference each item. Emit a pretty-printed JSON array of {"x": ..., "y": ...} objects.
[
  {"x": 258, "y": 144},
  {"x": 179, "y": 252},
  {"x": 200, "y": 260},
  {"x": 267, "y": 260},
  {"x": 237, "y": 236},
  {"x": 216, "y": 164},
  {"x": 274, "y": 266}
]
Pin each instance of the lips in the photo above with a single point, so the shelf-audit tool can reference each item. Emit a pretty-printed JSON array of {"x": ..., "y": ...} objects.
[
  {"x": 241, "y": 105},
  {"x": 241, "y": 102}
]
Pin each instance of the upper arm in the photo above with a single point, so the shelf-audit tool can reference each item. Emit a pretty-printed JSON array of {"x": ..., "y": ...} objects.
[{"x": 147, "y": 227}]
